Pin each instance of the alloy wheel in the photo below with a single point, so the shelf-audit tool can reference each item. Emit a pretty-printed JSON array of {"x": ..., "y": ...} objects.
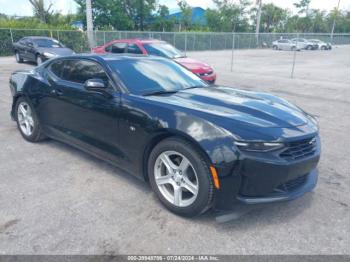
[
  {"x": 25, "y": 118},
  {"x": 176, "y": 178}
]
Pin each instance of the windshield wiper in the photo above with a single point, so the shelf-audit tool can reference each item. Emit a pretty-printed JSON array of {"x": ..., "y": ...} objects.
[{"x": 160, "y": 92}]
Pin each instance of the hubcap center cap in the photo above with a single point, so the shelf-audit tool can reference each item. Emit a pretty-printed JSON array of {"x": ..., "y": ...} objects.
[{"x": 177, "y": 176}]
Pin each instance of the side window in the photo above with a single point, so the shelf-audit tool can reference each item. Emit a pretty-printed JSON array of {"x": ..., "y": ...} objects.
[
  {"x": 22, "y": 41},
  {"x": 116, "y": 48},
  {"x": 29, "y": 43},
  {"x": 79, "y": 71},
  {"x": 108, "y": 48},
  {"x": 57, "y": 68},
  {"x": 134, "y": 49}
]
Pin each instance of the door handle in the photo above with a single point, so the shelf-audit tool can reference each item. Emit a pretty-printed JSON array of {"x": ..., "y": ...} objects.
[{"x": 57, "y": 92}]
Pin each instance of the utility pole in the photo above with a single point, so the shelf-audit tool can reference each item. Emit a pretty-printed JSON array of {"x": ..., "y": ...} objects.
[
  {"x": 89, "y": 24},
  {"x": 258, "y": 17},
  {"x": 335, "y": 17},
  {"x": 142, "y": 15}
]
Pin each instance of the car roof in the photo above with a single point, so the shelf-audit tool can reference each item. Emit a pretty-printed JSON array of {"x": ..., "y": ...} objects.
[
  {"x": 138, "y": 40},
  {"x": 113, "y": 57},
  {"x": 39, "y": 37}
]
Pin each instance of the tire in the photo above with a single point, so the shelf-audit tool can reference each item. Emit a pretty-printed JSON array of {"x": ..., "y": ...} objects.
[
  {"x": 293, "y": 48},
  {"x": 28, "y": 124},
  {"x": 195, "y": 176},
  {"x": 38, "y": 60},
  {"x": 323, "y": 47},
  {"x": 274, "y": 47},
  {"x": 19, "y": 59},
  {"x": 309, "y": 47}
]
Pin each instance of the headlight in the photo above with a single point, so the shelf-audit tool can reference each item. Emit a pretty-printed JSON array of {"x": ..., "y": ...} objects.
[
  {"x": 49, "y": 55},
  {"x": 258, "y": 146}
]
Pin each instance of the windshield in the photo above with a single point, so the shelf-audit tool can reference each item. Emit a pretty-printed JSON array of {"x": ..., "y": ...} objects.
[
  {"x": 49, "y": 43},
  {"x": 163, "y": 49},
  {"x": 145, "y": 76}
]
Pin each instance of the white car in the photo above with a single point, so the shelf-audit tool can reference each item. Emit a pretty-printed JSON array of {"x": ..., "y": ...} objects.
[
  {"x": 321, "y": 45},
  {"x": 303, "y": 43},
  {"x": 284, "y": 44}
]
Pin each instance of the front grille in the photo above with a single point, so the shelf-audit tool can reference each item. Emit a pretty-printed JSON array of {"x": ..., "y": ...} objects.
[
  {"x": 299, "y": 149},
  {"x": 292, "y": 185}
]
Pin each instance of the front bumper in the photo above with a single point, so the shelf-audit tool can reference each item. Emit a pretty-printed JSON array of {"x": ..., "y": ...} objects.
[
  {"x": 308, "y": 186},
  {"x": 256, "y": 180}
]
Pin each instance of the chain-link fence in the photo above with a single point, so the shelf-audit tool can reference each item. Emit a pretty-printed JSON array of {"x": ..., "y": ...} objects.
[{"x": 185, "y": 41}]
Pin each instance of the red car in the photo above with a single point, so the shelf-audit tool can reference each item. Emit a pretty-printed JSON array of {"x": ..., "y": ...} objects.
[{"x": 159, "y": 48}]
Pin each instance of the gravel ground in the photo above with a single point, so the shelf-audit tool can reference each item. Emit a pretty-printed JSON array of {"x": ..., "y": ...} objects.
[{"x": 55, "y": 199}]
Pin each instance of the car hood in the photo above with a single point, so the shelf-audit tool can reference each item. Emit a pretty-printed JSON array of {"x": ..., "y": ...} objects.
[
  {"x": 60, "y": 51},
  {"x": 193, "y": 65},
  {"x": 232, "y": 106}
]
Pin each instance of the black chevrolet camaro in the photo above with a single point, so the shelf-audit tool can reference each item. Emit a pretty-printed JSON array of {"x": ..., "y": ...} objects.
[{"x": 199, "y": 146}]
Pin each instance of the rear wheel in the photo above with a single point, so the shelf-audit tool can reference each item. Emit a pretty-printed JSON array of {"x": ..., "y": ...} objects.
[
  {"x": 323, "y": 47},
  {"x": 309, "y": 47},
  {"x": 274, "y": 47},
  {"x": 180, "y": 177},
  {"x": 27, "y": 122},
  {"x": 19, "y": 59}
]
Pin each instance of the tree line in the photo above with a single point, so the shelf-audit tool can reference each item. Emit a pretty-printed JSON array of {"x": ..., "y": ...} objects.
[{"x": 228, "y": 16}]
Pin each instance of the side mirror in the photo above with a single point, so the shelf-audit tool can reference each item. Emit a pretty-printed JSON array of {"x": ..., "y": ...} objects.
[{"x": 94, "y": 84}]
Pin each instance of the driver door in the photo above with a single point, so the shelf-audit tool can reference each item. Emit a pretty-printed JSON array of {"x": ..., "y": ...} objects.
[{"x": 86, "y": 118}]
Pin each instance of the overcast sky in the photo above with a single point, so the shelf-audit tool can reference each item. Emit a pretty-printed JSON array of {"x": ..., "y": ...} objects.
[{"x": 23, "y": 7}]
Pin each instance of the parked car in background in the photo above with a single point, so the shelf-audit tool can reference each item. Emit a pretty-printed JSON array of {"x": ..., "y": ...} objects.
[
  {"x": 198, "y": 146},
  {"x": 39, "y": 49},
  {"x": 321, "y": 45},
  {"x": 283, "y": 44},
  {"x": 158, "y": 48},
  {"x": 303, "y": 43}
]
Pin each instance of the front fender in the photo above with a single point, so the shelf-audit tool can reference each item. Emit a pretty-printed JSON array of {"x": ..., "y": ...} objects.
[
  {"x": 153, "y": 121},
  {"x": 215, "y": 141}
]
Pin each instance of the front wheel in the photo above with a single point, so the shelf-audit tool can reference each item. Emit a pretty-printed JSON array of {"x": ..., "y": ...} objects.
[
  {"x": 27, "y": 122},
  {"x": 39, "y": 60},
  {"x": 274, "y": 47},
  {"x": 180, "y": 177}
]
